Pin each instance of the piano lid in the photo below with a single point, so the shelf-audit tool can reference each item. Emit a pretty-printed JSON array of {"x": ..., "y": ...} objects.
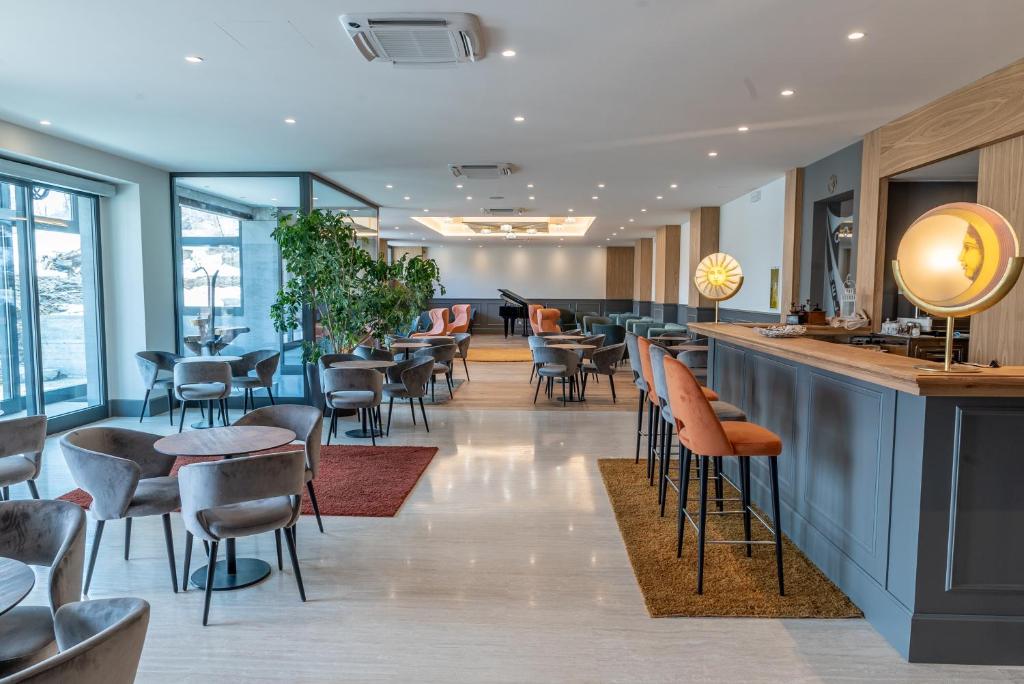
[{"x": 513, "y": 297}]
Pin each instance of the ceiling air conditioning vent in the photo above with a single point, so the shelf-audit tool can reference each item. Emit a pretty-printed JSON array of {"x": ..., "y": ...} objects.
[
  {"x": 481, "y": 171},
  {"x": 504, "y": 212},
  {"x": 405, "y": 38}
]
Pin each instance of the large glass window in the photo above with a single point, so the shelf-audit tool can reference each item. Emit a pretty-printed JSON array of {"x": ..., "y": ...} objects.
[{"x": 50, "y": 328}]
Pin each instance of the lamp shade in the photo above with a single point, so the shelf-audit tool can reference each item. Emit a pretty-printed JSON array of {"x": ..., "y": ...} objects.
[
  {"x": 957, "y": 259},
  {"x": 718, "y": 276}
]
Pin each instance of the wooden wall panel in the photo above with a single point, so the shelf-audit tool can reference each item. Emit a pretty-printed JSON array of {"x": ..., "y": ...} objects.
[
  {"x": 666, "y": 265},
  {"x": 996, "y": 333},
  {"x": 643, "y": 264},
  {"x": 874, "y": 192},
  {"x": 619, "y": 273},
  {"x": 703, "y": 241},
  {"x": 792, "y": 235},
  {"x": 987, "y": 111}
]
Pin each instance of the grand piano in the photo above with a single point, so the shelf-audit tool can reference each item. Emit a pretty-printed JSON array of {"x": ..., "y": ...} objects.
[{"x": 515, "y": 307}]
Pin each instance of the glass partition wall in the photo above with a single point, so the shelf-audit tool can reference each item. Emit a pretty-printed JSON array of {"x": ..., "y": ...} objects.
[{"x": 228, "y": 267}]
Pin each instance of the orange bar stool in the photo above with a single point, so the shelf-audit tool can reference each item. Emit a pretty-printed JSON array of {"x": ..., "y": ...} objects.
[{"x": 703, "y": 435}]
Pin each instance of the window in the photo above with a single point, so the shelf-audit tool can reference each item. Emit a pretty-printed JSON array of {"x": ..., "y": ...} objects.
[{"x": 211, "y": 247}]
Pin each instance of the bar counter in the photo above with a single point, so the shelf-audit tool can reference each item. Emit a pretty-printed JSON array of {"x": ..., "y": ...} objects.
[{"x": 905, "y": 487}]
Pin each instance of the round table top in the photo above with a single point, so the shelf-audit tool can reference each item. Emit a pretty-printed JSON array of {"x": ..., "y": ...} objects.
[
  {"x": 224, "y": 441},
  {"x": 564, "y": 337},
  {"x": 16, "y": 581},
  {"x": 197, "y": 359},
  {"x": 409, "y": 345},
  {"x": 364, "y": 363},
  {"x": 577, "y": 347}
]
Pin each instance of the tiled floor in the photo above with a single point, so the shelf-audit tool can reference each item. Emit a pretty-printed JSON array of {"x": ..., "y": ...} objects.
[{"x": 505, "y": 564}]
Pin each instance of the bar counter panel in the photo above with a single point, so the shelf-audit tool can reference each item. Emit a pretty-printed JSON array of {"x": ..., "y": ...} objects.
[{"x": 913, "y": 505}]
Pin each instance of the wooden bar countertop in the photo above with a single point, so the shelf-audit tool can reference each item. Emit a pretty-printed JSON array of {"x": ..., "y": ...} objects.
[{"x": 887, "y": 370}]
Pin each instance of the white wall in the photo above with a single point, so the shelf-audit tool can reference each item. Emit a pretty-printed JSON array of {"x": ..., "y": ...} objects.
[
  {"x": 548, "y": 272},
  {"x": 752, "y": 232},
  {"x": 135, "y": 232}
]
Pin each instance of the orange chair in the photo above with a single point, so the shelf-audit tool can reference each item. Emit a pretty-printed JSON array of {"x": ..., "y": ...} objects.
[
  {"x": 461, "y": 322},
  {"x": 547, "y": 321},
  {"x": 438, "y": 324},
  {"x": 703, "y": 435},
  {"x": 531, "y": 313}
]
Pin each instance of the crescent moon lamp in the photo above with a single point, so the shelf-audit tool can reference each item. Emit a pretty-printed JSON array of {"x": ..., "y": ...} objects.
[
  {"x": 957, "y": 260},
  {"x": 718, "y": 277}
]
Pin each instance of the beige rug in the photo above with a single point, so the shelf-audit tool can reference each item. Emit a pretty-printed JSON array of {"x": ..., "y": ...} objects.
[{"x": 500, "y": 354}]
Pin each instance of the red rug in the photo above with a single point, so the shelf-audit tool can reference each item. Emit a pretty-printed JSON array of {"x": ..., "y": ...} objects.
[{"x": 363, "y": 481}]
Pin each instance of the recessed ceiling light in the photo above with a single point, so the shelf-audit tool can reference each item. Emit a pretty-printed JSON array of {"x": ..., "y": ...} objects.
[
  {"x": 469, "y": 197},
  {"x": 314, "y": 199},
  {"x": 289, "y": 120},
  {"x": 787, "y": 92},
  {"x": 407, "y": 198},
  {"x": 594, "y": 197},
  {"x": 389, "y": 186},
  {"x": 45, "y": 122},
  {"x": 608, "y": 239},
  {"x": 631, "y": 220},
  {"x": 519, "y": 118},
  {"x": 193, "y": 59},
  {"x": 673, "y": 185},
  {"x": 600, "y": 185},
  {"x": 273, "y": 199},
  {"x": 743, "y": 129},
  {"x": 531, "y": 198},
  {"x": 658, "y": 197},
  {"x": 712, "y": 153},
  {"x": 426, "y": 211},
  {"x": 622, "y": 227},
  {"x": 508, "y": 53},
  {"x": 397, "y": 228},
  {"x": 856, "y": 35},
  {"x": 571, "y": 210},
  {"x": 643, "y": 210},
  {"x": 458, "y": 186},
  {"x": 529, "y": 185}
]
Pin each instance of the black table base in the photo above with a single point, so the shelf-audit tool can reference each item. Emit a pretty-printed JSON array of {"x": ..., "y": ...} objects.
[{"x": 248, "y": 571}]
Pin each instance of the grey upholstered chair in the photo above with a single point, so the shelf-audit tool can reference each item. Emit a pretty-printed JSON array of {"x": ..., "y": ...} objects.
[
  {"x": 354, "y": 388},
  {"x": 443, "y": 355},
  {"x": 208, "y": 381},
  {"x": 307, "y": 422},
  {"x": 462, "y": 341},
  {"x": 633, "y": 350},
  {"x": 373, "y": 353},
  {"x": 50, "y": 534},
  {"x": 591, "y": 320},
  {"x": 555, "y": 364},
  {"x": 604, "y": 361},
  {"x": 322, "y": 364},
  {"x": 408, "y": 380},
  {"x": 241, "y": 497},
  {"x": 156, "y": 369},
  {"x": 596, "y": 340},
  {"x": 126, "y": 478},
  {"x": 264, "y": 362},
  {"x": 99, "y": 642},
  {"x": 613, "y": 332},
  {"x": 535, "y": 341},
  {"x": 21, "y": 453},
  {"x": 697, "y": 361}
]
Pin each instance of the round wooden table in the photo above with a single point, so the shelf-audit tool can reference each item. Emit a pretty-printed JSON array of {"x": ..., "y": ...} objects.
[
  {"x": 573, "y": 346},
  {"x": 16, "y": 581},
  {"x": 404, "y": 347},
  {"x": 363, "y": 433},
  {"x": 197, "y": 359},
  {"x": 564, "y": 338},
  {"x": 233, "y": 572}
]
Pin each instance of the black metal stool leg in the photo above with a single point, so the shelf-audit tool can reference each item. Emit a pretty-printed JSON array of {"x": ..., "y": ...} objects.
[
  {"x": 702, "y": 525},
  {"x": 773, "y": 467}
]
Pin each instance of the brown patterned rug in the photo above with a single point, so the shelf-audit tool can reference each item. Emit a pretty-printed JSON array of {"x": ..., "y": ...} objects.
[
  {"x": 363, "y": 481},
  {"x": 734, "y": 585}
]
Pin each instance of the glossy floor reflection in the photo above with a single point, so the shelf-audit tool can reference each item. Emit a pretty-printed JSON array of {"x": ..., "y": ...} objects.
[{"x": 505, "y": 564}]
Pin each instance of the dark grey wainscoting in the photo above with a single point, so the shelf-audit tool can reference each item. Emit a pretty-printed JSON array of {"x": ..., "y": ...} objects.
[
  {"x": 488, "y": 320},
  {"x": 910, "y": 504},
  {"x": 642, "y": 308},
  {"x": 703, "y": 314}
]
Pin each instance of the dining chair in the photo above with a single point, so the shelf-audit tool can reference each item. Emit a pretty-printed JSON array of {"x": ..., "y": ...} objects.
[
  {"x": 535, "y": 341},
  {"x": 596, "y": 341},
  {"x": 462, "y": 341},
  {"x": 604, "y": 361},
  {"x": 21, "y": 453},
  {"x": 157, "y": 371},
  {"x": 444, "y": 356},
  {"x": 408, "y": 380},
  {"x": 307, "y": 422},
  {"x": 531, "y": 315},
  {"x": 264, "y": 363},
  {"x": 98, "y": 642},
  {"x": 50, "y": 534},
  {"x": 633, "y": 352},
  {"x": 460, "y": 319},
  {"x": 359, "y": 389},
  {"x": 241, "y": 497},
  {"x": 126, "y": 478},
  {"x": 556, "y": 364},
  {"x": 199, "y": 381},
  {"x": 439, "y": 323},
  {"x": 589, "y": 321},
  {"x": 547, "y": 321},
  {"x": 373, "y": 353}
]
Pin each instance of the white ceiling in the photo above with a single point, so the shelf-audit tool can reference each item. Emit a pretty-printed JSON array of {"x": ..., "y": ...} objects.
[{"x": 631, "y": 94}]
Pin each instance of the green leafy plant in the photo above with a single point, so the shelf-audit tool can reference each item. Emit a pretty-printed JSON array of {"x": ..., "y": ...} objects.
[{"x": 354, "y": 295}]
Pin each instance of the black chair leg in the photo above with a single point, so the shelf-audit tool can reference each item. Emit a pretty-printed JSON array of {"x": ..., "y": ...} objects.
[
  {"x": 181, "y": 418},
  {"x": 611, "y": 382},
  {"x": 433, "y": 381},
  {"x": 719, "y": 491},
  {"x": 316, "y": 506},
  {"x": 745, "y": 499},
  {"x": 188, "y": 560},
  {"x": 412, "y": 409},
  {"x": 702, "y": 523},
  {"x": 684, "y": 486},
  {"x": 423, "y": 411},
  {"x": 334, "y": 417},
  {"x": 169, "y": 539},
  {"x": 451, "y": 387},
  {"x": 373, "y": 428},
  {"x": 465, "y": 367},
  {"x": 127, "y": 536},
  {"x": 170, "y": 405},
  {"x": 270, "y": 395},
  {"x": 224, "y": 412},
  {"x": 639, "y": 424},
  {"x": 277, "y": 542},
  {"x": 289, "y": 536},
  {"x": 391, "y": 408},
  {"x": 210, "y": 569},
  {"x": 145, "y": 401},
  {"x": 32, "y": 488},
  {"x": 536, "y": 392},
  {"x": 92, "y": 556},
  {"x": 773, "y": 471}
]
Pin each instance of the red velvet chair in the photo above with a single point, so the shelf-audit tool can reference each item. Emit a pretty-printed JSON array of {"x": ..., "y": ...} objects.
[
  {"x": 438, "y": 324},
  {"x": 547, "y": 321},
  {"x": 461, "y": 322}
]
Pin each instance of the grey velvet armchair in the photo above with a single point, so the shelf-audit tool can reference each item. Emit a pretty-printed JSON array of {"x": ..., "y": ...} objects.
[
  {"x": 604, "y": 361},
  {"x": 99, "y": 642},
  {"x": 307, "y": 423},
  {"x": 199, "y": 381},
  {"x": 126, "y": 478},
  {"x": 156, "y": 369},
  {"x": 443, "y": 356},
  {"x": 50, "y": 534},
  {"x": 360, "y": 389},
  {"x": 555, "y": 364},
  {"x": 241, "y": 497},
  {"x": 633, "y": 349},
  {"x": 373, "y": 353},
  {"x": 21, "y": 453},
  {"x": 462, "y": 341},
  {"x": 264, "y": 363},
  {"x": 408, "y": 380}
]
